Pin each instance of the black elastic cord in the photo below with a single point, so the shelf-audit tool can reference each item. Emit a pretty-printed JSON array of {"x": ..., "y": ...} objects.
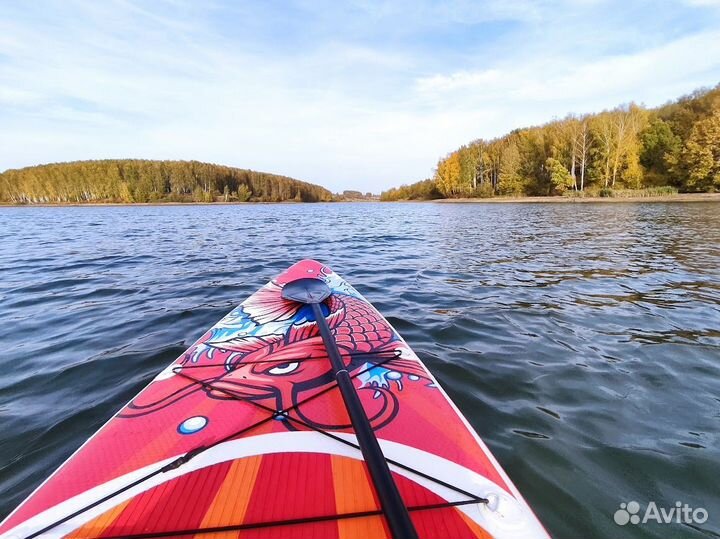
[
  {"x": 274, "y": 413},
  {"x": 284, "y": 360},
  {"x": 473, "y": 497},
  {"x": 288, "y": 522},
  {"x": 188, "y": 455},
  {"x": 166, "y": 468},
  {"x": 284, "y": 413},
  {"x": 96, "y": 503}
]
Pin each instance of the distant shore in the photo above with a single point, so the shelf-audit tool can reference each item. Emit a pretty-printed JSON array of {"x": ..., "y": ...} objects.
[
  {"x": 160, "y": 203},
  {"x": 681, "y": 197},
  {"x": 100, "y": 204}
]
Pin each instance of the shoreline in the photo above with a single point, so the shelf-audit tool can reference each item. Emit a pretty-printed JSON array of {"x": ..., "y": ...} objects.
[
  {"x": 100, "y": 204},
  {"x": 680, "y": 197}
]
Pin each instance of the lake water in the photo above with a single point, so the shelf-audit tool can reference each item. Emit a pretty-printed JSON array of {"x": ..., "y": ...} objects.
[{"x": 581, "y": 341}]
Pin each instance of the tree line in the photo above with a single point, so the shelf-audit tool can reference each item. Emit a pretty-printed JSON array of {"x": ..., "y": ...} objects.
[
  {"x": 132, "y": 180},
  {"x": 674, "y": 147},
  {"x": 349, "y": 195}
]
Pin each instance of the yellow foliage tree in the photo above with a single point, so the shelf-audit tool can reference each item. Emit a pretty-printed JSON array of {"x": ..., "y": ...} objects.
[{"x": 447, "y": 175}]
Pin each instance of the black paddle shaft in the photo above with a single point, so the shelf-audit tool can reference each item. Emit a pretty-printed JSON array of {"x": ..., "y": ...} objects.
[{"x": 396, "y": 513}]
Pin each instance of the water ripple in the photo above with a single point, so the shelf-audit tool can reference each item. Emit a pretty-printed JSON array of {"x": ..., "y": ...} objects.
[{"x": 581, "y": 343}]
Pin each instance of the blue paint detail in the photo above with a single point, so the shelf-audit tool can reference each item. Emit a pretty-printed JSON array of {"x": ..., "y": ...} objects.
[
  {"x": 193, "y": 424},
  {"x": 379, "y": 377}
]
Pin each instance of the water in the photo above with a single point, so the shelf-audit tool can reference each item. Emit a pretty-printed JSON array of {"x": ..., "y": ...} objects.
[{"x": 581, "y": 341}]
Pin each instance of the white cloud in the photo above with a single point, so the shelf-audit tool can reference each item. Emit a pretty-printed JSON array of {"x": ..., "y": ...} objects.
[
  {"x": 366, "y": 106},
  {"x": 704, "y": 3},
  {"x": 561, "y": 78}
]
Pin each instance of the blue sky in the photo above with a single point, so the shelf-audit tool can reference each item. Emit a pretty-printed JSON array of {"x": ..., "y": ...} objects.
[{"x": 351, "y": 95}]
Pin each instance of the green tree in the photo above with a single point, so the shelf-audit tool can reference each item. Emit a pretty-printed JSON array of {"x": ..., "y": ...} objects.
[
  {"x": 660, "y": 148},
  {"x": 423, "y": 190},
  {"x": 560, "y": 178},
  {"x": 243, "y": 193}
]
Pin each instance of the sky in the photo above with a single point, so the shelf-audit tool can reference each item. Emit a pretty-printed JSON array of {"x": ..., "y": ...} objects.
[{"x": 351, "y": 95}]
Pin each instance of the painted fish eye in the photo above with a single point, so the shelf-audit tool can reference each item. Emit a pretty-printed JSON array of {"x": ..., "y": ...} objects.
[{"x": 284, "y": 368}]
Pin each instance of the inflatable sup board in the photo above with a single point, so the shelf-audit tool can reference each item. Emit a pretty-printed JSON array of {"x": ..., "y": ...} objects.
[{"x": 252, "y": 433}]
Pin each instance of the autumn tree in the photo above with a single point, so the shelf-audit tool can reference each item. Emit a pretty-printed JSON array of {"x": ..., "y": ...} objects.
[
  {"x": 448, "y": 176},
  {"x": 583, "y": 143},
  {"x": 604, "y": 133},
  {"x": 510, "y": 181},
  {"x": 145, "y": 181},
  {"x": 494, "y": 160},
  {"x": 629, "y": 122}
]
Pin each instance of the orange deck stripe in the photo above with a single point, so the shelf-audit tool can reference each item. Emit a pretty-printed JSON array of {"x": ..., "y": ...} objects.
[
  {"x": 99, "y": 524},
  {"x": 231, "y": 501},
  {"x": 354, "y": 492},
  {"x": 478, "y": 530}
]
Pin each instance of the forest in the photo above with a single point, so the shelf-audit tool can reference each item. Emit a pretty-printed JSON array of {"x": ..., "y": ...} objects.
[
  {"x": 630, "y": 150},
  {"x": 132, "y": 180}
]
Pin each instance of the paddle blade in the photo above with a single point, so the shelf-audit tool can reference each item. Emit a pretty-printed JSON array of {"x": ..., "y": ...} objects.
[{"x": 307, "y": 291}]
